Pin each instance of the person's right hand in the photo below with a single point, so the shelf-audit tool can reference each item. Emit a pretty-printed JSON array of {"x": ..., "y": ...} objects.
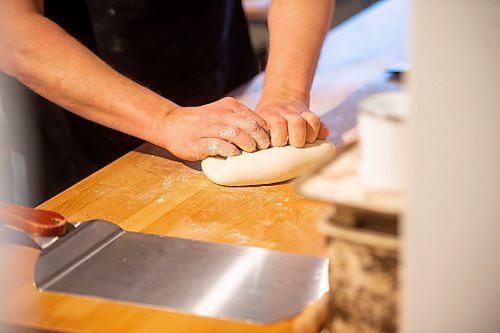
[{"x": 219, "y": 128}]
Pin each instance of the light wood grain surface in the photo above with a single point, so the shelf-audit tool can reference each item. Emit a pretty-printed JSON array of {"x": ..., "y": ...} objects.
[{"x": 149, "y": 191}]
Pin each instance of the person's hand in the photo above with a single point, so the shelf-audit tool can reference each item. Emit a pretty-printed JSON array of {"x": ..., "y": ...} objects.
[
  {"x": 220, "y": 128},
  {"x": 291, "y": 122}
]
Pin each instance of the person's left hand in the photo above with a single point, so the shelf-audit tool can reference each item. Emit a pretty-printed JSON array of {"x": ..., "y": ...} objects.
[{"x": 291, "y": 122}]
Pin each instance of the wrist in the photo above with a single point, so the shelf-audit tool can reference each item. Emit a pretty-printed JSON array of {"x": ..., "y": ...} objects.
[
  {"x": 158, "y": 122},
  {"x": 283, "y": 95}
]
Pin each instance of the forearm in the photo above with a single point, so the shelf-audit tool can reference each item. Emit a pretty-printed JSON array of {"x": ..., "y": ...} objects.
[
  {"x": 45, "y": 58},
  {"x": 297, "y": 30}
]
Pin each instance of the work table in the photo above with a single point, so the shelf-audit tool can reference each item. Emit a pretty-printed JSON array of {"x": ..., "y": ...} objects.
[{"x": 150, "y": 191}]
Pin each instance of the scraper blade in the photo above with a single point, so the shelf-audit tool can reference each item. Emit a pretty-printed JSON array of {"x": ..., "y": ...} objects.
[{"x": 99, "y": 259}]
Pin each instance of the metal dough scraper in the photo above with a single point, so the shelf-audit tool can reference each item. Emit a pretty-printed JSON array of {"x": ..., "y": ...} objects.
[{"x": 99, "y": 259}]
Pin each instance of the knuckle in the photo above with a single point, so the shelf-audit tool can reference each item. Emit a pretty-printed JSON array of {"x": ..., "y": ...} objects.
[
  {"x": 209, "y": 130},
  {"x": 212, "y": 146},
  {"x": 236, "y": 130},
  {"x": 200, "y": 151},
  {"x": 253, "y": 125},
  {"x": 227, "y": 99},
  {"x": 281, "y": 123},
  {"x": 312, "y": 119},
  {"x": 278, "y": 120},
  {"x": 230, "y": 132},
  {"x": 231, "y": 102},
  {"x": 298, "y": 121}
]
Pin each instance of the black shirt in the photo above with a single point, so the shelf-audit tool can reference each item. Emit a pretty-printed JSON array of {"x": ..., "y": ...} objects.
[{"x": 192, "y": 52}]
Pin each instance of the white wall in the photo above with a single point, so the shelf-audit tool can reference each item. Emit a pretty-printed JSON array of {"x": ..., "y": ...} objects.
[{"x": 452, "y": 231}]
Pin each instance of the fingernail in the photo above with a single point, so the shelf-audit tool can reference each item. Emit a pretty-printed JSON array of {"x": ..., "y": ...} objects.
[
  {"x": 234, "y": 153},
  {"x": 264, "y": 145}
]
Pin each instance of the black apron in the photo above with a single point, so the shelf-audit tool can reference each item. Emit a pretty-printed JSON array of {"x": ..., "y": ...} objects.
[{"x": 192, "y": 52}]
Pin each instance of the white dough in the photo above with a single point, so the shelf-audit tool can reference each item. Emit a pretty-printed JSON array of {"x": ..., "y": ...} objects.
[{"x": 267, "y": 166}]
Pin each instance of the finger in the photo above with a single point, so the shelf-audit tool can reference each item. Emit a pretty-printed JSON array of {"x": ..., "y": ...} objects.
[
  {"x": 233, "y": 135},
  {"x": 278, "y": 128},
  {"x": 241, "y": 108},
  {"x": 212, "y": 146},
  {"x": 297, "y": 129},
  {"x": 313, "y": 124},
  {"x": 323, "y": 133},
  {"x": 252, "y": 127}
]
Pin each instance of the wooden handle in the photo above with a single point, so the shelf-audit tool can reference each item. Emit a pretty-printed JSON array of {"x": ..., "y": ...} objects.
[{"x": 34, "y": 221}]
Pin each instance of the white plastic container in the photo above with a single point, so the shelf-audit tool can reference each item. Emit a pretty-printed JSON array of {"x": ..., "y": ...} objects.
[{"x": 382, "y": 129}]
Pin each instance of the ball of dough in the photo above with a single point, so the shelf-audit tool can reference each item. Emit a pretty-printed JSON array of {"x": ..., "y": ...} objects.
[{"x": 267, "y": 166}]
